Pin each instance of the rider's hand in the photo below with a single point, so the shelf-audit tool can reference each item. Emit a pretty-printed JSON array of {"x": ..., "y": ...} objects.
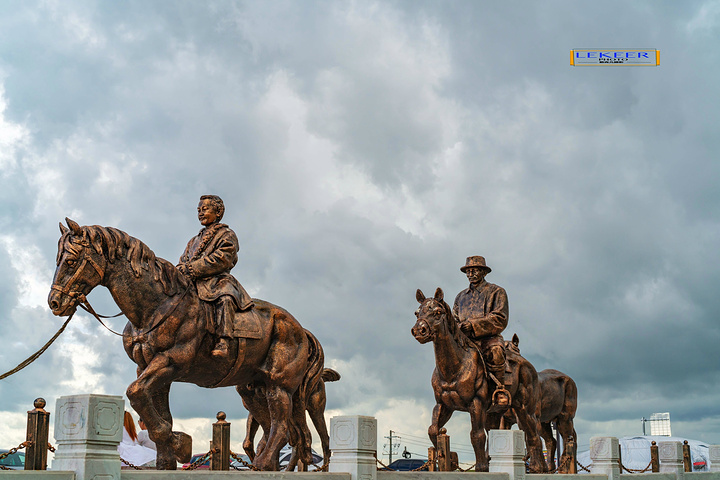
[
  {"x": 184, "y": 269},
  {"x": 466, "y": 328}
]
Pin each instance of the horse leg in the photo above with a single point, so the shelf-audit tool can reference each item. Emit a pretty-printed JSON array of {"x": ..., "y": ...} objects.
[
  {"x": 251, "y": 428},
  {"x": 148, "y": 395},
  {"x": 550, "y": 444},
  {"x": 478, "y": 437},
  {"x": 280, "y": 407},
  {"x": 529, "y": 424},
  {"x": 440, "y": 416},
  {"x": 316, "y": 409},
  {"x": 565, "y": 429}
]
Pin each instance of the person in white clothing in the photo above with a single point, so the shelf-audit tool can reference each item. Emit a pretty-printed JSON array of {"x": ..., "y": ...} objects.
[
  {"x": 130, "y": 450},
  {"x": 143, "y": 437}
]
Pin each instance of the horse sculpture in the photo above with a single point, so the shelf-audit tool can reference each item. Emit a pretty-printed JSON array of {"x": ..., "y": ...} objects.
[
  {"x": 166, "y": 337},
  {"x": 460, "y": 383},
  {"x": 255, "y": 401},
  {"x": 558, "y": 398}
]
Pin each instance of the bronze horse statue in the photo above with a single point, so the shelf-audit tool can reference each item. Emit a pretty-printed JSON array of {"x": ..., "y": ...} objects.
[
  {"x": 167, "y": 338},
  {"x": 460, "y": 383},
  {"x": 558, "y": 398},
  {"x": 255, "y": 401}
]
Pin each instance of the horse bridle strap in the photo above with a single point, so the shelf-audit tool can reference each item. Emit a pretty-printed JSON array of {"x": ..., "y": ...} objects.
[{"x": 68, "y": 286}]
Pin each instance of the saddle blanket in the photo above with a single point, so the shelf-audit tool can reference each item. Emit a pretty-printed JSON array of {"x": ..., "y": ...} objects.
[{"x": 247, "y": 325}]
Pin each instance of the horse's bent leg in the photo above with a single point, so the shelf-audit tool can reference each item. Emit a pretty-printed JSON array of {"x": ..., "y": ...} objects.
[
  {"x": 550, "y": 444},
  {"x": 440, "y": 416},
  {"x": 280, "y": 406},
  {"x": 478, "y": 437},
  {"x": 316, "y": 409},
  {"x": 530, "y": 426},
  {"x": 251, "y": 428}
]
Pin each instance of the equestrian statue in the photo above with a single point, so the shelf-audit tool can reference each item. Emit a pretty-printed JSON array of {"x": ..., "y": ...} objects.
[{"x": 195, "y": 323}]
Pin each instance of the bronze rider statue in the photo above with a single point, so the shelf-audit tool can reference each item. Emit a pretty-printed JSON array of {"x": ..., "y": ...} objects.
[
  {"x": 481, "y": 310},
  {"x": 207, "y": 260}
]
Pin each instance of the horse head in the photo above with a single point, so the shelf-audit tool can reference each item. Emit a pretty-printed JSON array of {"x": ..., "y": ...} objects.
[
  {"x": 80, "y": 268},
  {"x": 431, "y": 315}
]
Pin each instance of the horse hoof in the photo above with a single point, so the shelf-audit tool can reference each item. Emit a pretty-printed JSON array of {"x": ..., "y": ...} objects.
[{"x": 182, "y": 446}]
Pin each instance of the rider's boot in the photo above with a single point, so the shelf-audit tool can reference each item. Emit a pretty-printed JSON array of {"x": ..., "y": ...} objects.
[{"x": 221, "y": 349}]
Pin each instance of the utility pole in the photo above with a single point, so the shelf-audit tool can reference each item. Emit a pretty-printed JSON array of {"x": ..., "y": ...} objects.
[
  {"x": 390, "y": 445},
  {"x": 643, "y": 423}
]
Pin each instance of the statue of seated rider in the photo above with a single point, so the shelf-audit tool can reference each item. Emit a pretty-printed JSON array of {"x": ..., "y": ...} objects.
[
  {"x": 481, "y": 310},
  {"x": 207, "y": 260}
]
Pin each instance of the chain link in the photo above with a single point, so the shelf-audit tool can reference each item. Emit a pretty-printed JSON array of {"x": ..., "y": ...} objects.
[
  {"x": 583, "y": 467},
  {"x": 393, "y": 470},
  {"x": 243, "y": 462},
  {"x": 24, "y": 444},
  {"x": 635, "y": 470},
  {"x": 129, "y": 464},
  {"x": 51, "y": 448},
  {"x": 196, "y": 464}
]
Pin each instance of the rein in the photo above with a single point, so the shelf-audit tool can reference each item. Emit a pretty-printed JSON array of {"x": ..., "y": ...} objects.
[{"x": 85, "y": 305}]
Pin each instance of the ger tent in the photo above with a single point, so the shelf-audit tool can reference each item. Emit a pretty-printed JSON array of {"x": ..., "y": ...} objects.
[{"x": 635, "y": 452}]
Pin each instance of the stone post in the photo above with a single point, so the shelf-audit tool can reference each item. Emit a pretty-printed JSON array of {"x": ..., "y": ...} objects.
[
  {"x": 671, "y": 458},
  {"x": 507, "y": 450},
  {"x": 88, "y": 429},
  {"x": 353, "y": 441},
  {"x": 38, "y": 425},
  {"x": 605, "y": 453},
  {"x": 714, "y": 454}
]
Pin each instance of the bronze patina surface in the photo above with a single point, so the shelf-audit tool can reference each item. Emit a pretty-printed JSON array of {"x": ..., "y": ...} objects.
[
  {"x": 175, "y": 334},
  {"x": 558, "y": 403},
  {"x": 460, "y": 382}
]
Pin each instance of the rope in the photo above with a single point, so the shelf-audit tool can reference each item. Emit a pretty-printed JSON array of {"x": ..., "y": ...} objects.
[{"x": 37, "y": 354}]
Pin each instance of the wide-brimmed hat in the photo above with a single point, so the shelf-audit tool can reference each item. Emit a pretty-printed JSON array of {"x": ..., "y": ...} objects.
[{"x": 475, "y": 261}]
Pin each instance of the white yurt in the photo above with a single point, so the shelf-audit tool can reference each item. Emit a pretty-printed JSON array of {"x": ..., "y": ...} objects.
[{"x": 635, "y": 452}]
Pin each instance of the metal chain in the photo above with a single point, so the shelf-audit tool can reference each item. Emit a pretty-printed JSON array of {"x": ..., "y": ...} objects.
[
  {"x": 50, "y": 447},
  {"x": 129, "y": 464},
  {"x": 243, "y": 462},
  {"x": 24, "y": 444},
  {"x": 201, "y": 460},
  {"x": 634, "y": 470},
  {"x": 583, "y": 467}
]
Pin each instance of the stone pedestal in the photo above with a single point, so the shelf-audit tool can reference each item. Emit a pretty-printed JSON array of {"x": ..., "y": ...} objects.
[
  {"x": 605, "y": 452},
  {"x": 353, "y": 441},
  {"x": 88, "y": 429},
  {"x": 507, "y": 449},
  {"x": 714, "y": 454},
  {"x": 671, "y": 458}
]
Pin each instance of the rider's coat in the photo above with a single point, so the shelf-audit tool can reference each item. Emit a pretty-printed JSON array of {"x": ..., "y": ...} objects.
[
  {"x": 211, "y": 270},
  {"x": 486, "y": 308}
]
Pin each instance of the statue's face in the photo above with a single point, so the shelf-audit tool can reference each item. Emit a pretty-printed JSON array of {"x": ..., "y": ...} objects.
[
  {"x": 206, "y": 212},
  {"x": 474, "y": 274}
]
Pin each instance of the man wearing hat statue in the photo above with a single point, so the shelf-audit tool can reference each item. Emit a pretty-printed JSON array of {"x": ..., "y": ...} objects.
[{"x": 481, "y": 310}]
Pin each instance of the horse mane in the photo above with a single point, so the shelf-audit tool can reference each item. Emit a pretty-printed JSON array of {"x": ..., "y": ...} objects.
[
  {"x": 116, "y": 244},
  {"x": 455, "y": 330}
]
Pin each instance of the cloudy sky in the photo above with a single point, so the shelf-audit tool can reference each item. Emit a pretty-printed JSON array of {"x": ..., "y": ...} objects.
[{"x": 363, "y": 150}]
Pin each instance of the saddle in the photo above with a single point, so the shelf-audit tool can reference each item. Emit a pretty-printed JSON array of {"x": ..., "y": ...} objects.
[{"x": 247, "y": 324}]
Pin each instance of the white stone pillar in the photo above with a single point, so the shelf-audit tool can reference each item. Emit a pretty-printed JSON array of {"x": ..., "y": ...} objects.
[
  {"x": 671, "y": 458},
  {"x": 88, "y": 429},
  {"x": 507, "y": 450},
  {"x": 714, "y": 457},
  {"x": 353, "y": 441},
  {"x": 605, "y": 452}
]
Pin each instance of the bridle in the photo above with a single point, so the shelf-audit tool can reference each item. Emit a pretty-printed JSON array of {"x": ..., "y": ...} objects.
[
  {"x": 79, "y": 298},
  {"x": 76, "y": 295}
]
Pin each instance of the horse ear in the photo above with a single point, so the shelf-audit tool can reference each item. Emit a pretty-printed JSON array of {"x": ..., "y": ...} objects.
[
  {"x": 439, "y": 295},
  {"x": 420, "y": 296},
  {"x": 516, "y": 339},
  {"x": 63, "y": 229},
  {"x": 77, "y": 230}
]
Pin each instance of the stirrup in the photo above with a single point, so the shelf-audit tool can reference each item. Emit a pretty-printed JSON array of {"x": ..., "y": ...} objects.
[{"x": 501, "y": 400}]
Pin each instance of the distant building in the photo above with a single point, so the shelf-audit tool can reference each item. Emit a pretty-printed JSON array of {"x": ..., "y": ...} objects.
[{"x": 660, "y": 424}]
